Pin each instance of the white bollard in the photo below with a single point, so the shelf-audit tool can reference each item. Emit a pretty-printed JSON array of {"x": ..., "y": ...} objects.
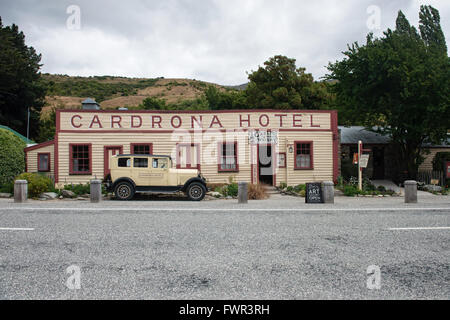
[
  {"x": 96, "y": 191},
  {"x": 410, "y": 191},
  {"x": 243, "y": 192}
]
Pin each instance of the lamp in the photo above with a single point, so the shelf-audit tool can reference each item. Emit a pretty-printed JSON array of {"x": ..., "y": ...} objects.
[{"x": 291, "y": 148}]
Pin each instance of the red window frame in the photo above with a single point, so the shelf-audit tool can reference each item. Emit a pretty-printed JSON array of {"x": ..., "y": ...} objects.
[
  {"x": 285, "y": 159},
  {"x": 220, "y": 155},
  {"x": 311, "y": 154},
  {"x": 188, "y": 160},
  {"x": 149, "y": 145},
  {"x": 39, "y": 160},
  {"x": 71, "y": 169}
]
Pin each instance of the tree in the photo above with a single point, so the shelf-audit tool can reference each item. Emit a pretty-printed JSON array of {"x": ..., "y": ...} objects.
[
  {"x": 398, "y": 83},
  {"x": 12, "y": 157},
  {"x": 47, "y": 125},
  {"x": 281, "y": 85},
  {"x": 20, "y": 86},
  {"x": 152, "y": 103},
  {"x": 222, "y": 100}
]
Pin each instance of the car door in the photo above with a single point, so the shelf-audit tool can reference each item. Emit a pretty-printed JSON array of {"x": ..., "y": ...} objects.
[
  {"x": 159, "y": 172},
  {"x": 141, "y": 171}
]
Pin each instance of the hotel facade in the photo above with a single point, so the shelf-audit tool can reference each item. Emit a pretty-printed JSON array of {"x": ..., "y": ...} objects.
[{"x": 269, "y": 146}]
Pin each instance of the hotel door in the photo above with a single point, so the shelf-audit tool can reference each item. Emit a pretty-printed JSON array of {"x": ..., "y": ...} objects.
[
  {"x": 188, "y": 156},
  {"x": 110, "y": 151}
]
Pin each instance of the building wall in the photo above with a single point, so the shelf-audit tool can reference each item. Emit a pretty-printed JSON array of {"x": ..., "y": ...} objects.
[
  {"x": 32, "y": 157},
  {"x": 100, "y": 129},
  {"x": 428, "y": 162}
]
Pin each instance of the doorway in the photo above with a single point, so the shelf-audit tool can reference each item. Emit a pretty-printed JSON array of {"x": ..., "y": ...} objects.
[
  {"x": 108, "y": 152},
  {"x": 265, "y": 164},
  {"x": 378, "y": 163}
]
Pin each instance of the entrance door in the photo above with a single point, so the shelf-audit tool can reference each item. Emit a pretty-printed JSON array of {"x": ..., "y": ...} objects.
[
  {"x": 265, "y": 164},
  {"x": 110, "y": 151},
  {"x": 188, "y": 156},
  {"x": 378, "y": 163}
]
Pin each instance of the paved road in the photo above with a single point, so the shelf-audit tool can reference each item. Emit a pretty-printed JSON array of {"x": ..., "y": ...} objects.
[{"x": 273, "y": 249}]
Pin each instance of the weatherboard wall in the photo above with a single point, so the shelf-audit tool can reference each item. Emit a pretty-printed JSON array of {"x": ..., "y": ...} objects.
[{"x": 166, "y": 129}]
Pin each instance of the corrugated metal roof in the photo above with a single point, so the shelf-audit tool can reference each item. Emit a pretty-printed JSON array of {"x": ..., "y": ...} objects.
[
  {"x": 27, "y": 141},
  {"x": 351, "y": 135}
]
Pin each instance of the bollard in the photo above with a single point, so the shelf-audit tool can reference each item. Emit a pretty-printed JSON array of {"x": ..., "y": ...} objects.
[
  {"x": 410, "y": 191},
  {"x": 96, "y": 191},
  {"x": 242, "y": 192},
  {"x": 328, "y": 191},
  {"x": 20, "y": 191}
]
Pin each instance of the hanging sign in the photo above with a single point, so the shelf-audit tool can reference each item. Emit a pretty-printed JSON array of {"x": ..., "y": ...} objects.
[{"x": 263, "y": 137}]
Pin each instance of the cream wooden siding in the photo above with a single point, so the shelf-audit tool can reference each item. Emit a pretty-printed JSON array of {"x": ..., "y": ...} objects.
[
  {"x": 164, "y": 143},
  {"x": 428, "y": 162},
  {"x": 32, "y": 159}
]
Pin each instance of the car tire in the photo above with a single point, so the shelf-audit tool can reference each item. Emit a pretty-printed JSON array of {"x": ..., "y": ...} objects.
[
  {"x": 124, "y": 191},
  {"x": 196, "y": 191}
]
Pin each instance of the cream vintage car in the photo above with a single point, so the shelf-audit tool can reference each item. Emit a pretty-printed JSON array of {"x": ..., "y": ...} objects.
[{"x": 130, "y": 174}]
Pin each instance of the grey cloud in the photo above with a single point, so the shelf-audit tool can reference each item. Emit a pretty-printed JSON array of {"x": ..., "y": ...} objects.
[{"x": 212, "y": 40}]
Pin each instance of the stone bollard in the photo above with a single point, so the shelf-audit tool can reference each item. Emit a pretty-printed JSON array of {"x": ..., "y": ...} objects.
[
  {"x": 410, "y": 191},
  {"x": 96, "y": 191},
  {"x": 328, "y": 191},
  {"x": 20, "y": 191},
  {"x": 242, "y": 192}
]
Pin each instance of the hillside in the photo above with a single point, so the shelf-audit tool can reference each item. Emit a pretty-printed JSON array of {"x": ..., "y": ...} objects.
[{"x": 114, "y": 92}]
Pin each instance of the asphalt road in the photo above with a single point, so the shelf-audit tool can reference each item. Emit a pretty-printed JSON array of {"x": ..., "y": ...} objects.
[{"x": 274, "y": 249}]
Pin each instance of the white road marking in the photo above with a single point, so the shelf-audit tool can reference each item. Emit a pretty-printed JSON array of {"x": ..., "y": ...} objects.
[
  {"x": 420, "y": 228},
  {"x": 98, "y": 209},
  {"x": 16, "y": 229}
]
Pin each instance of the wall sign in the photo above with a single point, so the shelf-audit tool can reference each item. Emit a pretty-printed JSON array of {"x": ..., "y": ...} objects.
[
  {"x": 364, "y": 161},
  {"x": 314, "y": 193},
  {"x": 263, "y": 137}
]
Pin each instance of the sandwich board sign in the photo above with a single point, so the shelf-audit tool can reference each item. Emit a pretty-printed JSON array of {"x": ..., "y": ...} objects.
[{"x": 314, "y": 193}]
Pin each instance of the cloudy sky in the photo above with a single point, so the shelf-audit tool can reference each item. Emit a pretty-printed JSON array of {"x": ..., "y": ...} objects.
[{"x": 210, "y": 40}]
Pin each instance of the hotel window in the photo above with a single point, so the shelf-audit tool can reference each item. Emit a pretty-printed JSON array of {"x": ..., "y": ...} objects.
[
  {"x": 303, "y": 155},
  {"x": 80, "y": 159},
  {"x": 43, "y": 162},
  {"x": 228, "y": 158},
  {"x": 141, "y": 148}
]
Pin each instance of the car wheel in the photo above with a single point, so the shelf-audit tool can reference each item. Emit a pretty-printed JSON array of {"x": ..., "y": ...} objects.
[
  {"x": 196, "y": 191},
  {"x": 124, "y": 191}
]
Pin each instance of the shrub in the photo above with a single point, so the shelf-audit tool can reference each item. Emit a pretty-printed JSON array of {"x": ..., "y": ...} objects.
[
  {"x": 351, "y": 191},
  {"x": 300, "y": 187},
  {"x": 257, "y": 192},
  {"x": 381, "y": 189},
  {"x": 37, "y": 183},
  {"x": 283, "y": 185},
  {"x": 230, "y": 190},
  {"x": 78, "y": 189},
  {"x": 12, "y": 157}
]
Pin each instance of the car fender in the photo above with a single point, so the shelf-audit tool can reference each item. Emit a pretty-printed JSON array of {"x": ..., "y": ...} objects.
[
  {"x": 196, "y": 179},
  {"x": 122, "y": 180}
]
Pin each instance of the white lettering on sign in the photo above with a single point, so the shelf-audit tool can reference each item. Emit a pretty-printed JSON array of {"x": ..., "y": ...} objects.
[{"x": 364, "y": 161}]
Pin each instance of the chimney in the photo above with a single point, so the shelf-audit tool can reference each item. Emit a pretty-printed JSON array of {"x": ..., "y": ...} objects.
[{"x": 90, "y": 104}]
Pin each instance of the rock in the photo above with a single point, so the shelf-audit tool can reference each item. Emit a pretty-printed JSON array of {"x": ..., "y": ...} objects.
[
  {"x": 85, "y": 196},
  {"x": 5, "y": 195},
  {"x": 215, "y": 194},
  {"x": 49, "y": 195},
  {"x": 68, "y": 194},
  {"x": 61, "y": 197}
]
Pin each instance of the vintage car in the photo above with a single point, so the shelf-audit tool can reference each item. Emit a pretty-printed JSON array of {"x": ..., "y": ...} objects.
[{"x": 134, "y": 173}]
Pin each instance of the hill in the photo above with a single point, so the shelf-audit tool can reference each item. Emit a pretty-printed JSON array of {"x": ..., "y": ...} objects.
[{"x": 115, "y": 92}]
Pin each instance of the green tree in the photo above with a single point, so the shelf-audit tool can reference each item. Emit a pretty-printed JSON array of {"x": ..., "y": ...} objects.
[
  {"x": 399, "y": 83},
  {"x": 20, "y": 86},
  {"x": 152, "y": 103},
  {"x": 47, "y": 125},
  {"x": 281, "y": 85},
  {"x": 222, "y": 100},
  {"x": 12, "y": 157}
]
